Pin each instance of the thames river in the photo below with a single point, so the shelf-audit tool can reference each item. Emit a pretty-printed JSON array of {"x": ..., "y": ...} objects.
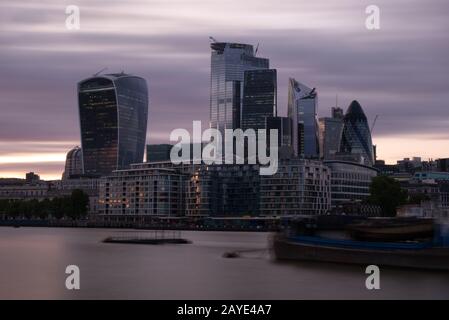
[{"x": 33, "y": 263}]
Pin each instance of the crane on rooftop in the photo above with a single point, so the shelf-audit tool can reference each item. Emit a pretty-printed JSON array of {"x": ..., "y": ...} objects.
[
  {"x": 96, "y": 74},
  {"x": 374, "y": 123}
]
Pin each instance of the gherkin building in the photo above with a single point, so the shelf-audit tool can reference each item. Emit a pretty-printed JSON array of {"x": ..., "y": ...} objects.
[{"x": 356, "y": 137}]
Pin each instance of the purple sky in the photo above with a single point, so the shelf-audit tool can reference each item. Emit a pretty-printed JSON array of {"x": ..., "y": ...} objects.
[{"x": 399, "y": 72}]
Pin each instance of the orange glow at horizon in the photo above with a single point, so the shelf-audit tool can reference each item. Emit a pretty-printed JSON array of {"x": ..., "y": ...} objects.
[
  {"x": 397, "y": 147},
  {"x": 32, "y": 158},
  {"x": 50, "y": 165}
]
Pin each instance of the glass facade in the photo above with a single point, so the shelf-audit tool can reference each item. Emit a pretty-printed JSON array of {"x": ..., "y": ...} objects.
[
  {"x": 158, "y": 152},
  {"x": 356, "y": 137},
  {"x": 113, "y": 112},
  {"x": 229, "y": 61},
  {"x": 331, "y": 130},
  {"x": 284, "y": 127},
  {"x": 259, "y": 98},
  {"x": 302, "y": 108}
]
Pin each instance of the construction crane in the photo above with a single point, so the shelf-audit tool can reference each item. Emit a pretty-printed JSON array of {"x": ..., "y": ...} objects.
[
  {"x": 374, "y": 123},
  {"x": 257, "y": 49},
  {"x": 96, "y": 74},
  {"x": 213, "y": 39}
]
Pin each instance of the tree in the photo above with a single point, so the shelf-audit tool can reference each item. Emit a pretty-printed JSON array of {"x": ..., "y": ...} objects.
[
  {"x": 79, "y": 204},
  {"x": 387, "y": 193},
  {"x": 74, "y": 206}
]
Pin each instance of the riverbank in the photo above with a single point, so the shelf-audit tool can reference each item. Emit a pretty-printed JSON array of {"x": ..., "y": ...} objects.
[
  {"x": 199, "y": 225},
  {"x": 246, "y": 223}
]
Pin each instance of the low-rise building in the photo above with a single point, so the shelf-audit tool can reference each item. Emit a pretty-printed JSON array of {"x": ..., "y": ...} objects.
[
  {"x": 349, "y": 181},
  {"x": 142, "y": 192},
  {"x": 227, "y": 190},
  {"x": 431, "y": 176},
  {"x": 299, "y": 187},
  {"x": 39, "y": 191},
  {"x": 88, "y": 184}
]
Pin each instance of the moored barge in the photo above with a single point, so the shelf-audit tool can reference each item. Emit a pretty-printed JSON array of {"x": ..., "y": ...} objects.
[
  {"x": 306, "y": 243},
  {"x": 409, "y": 255}
]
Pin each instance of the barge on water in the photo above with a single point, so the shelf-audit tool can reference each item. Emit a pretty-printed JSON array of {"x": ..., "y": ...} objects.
[
  {"x": 427, "y": 254},
  {"x": 149, "y": 237}
]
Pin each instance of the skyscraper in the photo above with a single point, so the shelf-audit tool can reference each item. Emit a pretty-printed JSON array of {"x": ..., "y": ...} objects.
[
  {"x": 356, "y": 137},
  {"x": 330, "y": 130},
  {"x": 337, "y": 113},
  {"x": 302, "y": 105},
  {"x": 113, "y": 110},
  {"x": 284, "y": 127},
  {"x": 229, "y": 61},
  {"x": 259, "y": 98},
  {"x": 73, "y": 163},
  {"x": 158, "y": 152}
]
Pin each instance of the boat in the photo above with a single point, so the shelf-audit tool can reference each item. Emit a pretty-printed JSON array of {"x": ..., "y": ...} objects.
[
  {"x": 392, "y": 229},
  {"x": 302, "y": 239},
  {"x": 421, "y": 255}
]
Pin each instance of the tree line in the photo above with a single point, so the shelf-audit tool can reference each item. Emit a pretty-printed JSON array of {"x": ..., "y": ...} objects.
[
  {"x": 387, "y": 193},
  {"x": 74, "y": 206}
]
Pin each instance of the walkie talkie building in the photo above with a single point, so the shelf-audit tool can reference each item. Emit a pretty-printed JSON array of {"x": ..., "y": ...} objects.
[{"x": 113, "y": 111}]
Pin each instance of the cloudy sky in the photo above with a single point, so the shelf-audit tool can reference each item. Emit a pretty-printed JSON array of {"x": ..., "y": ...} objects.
[{"x": 399, "y": 72}]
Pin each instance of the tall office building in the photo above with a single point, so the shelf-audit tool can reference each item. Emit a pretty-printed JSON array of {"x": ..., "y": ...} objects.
[
  {"x": 356, "y": 136},
  {"x": 302, "y": 107},
  {"x": 73, "y": 163},
  {"x": 259, "y": 98},
  {"x": 284, "y": 127},
  {"x": 158, "y": 152},
  {"x": 113, "y": 110},
  {"x": 330, "y": 130},
  {"x": 229, "y": 61},
  {"x": 337, "y": 113}
]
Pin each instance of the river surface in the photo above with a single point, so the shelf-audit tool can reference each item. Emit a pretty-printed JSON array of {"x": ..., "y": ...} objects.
[{"x": 33, "y": 263}]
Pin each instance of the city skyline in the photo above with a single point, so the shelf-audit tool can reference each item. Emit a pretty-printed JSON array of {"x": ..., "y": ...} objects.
[{"x": 397, "y": 72}]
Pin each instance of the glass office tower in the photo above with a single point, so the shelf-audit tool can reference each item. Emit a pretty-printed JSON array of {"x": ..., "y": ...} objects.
[
  {"x": 283, "y": 126},
  {"x": 259, "y": 98},
  {"x": 302, "y": 107},
  {"x": 229, "y": 61},
  {"x": 330, "y": 130},
  {"x": 158, "y": 152},
  {"x": 356, "y": 137},
  {"x": 113, "y": 111}
]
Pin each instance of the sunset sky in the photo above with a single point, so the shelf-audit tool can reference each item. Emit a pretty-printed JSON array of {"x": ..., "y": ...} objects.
[{"x": 400, "y": 72}]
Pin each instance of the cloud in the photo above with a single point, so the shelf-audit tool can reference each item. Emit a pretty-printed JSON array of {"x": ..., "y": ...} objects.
[{"x": 399, "y": 72}]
